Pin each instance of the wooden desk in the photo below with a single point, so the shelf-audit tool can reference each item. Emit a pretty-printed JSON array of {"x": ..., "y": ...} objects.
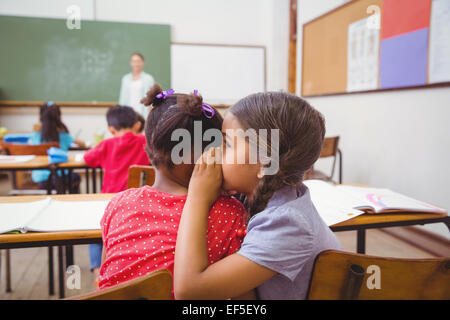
[
  {"x": 36, "y": 239},
  {"x": 41, "y": 162},
  {"x": 50, "y": 239},
  {"x": 39, "y": 239}
]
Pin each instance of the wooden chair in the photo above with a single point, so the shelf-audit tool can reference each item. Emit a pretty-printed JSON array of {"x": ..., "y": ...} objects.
[
  {"x": 329, "y": 149},
  {"x": 139, "y": 176},
  {"x": 156, "y": 285},
  {"x": 341, "y": 275}
]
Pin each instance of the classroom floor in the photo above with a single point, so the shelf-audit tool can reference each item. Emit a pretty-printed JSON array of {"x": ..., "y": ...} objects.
[{"x": 29, "y": 267}]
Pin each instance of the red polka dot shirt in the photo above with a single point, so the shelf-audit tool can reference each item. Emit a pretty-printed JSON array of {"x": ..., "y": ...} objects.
[{"x": 139, "y": 231}]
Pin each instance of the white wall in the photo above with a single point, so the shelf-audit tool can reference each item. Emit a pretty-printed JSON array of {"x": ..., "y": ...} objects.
[
  {"x": 244, "y": 22},
  {"x": 398, "y": 139}
]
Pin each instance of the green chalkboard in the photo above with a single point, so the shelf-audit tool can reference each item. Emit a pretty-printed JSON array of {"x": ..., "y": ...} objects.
[{"x": 41, "y": 59}]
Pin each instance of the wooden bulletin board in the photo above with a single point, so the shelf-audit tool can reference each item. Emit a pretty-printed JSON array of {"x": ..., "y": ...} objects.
[{"x": 412, "y": 47}]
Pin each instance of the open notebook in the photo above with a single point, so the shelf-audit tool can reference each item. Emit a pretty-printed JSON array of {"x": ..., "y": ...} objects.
[
  {"x": 51, "y": 215},
  {"x": 369, "y": 200}
]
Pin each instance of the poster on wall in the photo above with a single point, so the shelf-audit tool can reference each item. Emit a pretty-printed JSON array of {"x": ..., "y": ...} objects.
[
  {"x": 404, "y": 43},
  {"x": 362, "y": 55},
  {"x": 439, "y": 64}
]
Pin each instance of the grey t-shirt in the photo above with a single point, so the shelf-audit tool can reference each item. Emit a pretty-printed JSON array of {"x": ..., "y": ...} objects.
[{"x": 286, "y": 237}]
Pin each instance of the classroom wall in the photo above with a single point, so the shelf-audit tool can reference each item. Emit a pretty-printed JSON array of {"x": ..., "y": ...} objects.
[
  {"x": 398, "y": 139},
  {"x": 244, "y": 22}
]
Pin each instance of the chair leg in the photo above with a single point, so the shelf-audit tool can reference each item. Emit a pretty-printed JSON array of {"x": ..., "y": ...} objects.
[
  {"x": 340, "y": 166},
  {"x": 8, "y": 271}
]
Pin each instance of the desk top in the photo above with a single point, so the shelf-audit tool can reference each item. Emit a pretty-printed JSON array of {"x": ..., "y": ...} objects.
[
  {"x": 365, "y": 220},
  {"x": 41, "y": 162},
  {"x": 52, "y": 236}
]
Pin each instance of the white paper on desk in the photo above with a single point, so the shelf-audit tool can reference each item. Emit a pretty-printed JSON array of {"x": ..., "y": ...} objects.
[
  {"x": 79, "y": 157},
  {"x": 69, "y": 216},
  {"x": 332, "y": 205},
  {"x": 16, "y": 159},
  {"x": 363, "y": 55},
  {"x": 439, "y": 64},
  {"x": 384, "y": 199},
  {"x": 16, "y": 215}
]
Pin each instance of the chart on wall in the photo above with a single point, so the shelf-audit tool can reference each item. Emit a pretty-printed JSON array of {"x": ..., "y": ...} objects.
[{"x": 368, "y": 45}]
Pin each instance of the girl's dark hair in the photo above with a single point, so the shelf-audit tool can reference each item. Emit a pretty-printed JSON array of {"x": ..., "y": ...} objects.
[
  {"x": 301, "y": 134},
  {"x": 121, "y": 117},
  {"x": 51, "y": 124},
  {"x": 177, "y": 111}
]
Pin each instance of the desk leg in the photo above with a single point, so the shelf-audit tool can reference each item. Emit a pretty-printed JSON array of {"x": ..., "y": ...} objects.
[
  {"x": 51, "y": 284},
  {"x": 8, "y": 271},
  {"x": 361, "y": 241},
  {"x": 94, "y": 180},
  {"x": 61, "y": 272},
  {"x": 69, "y": 248},
  {"x": 87, "y": 180},
  {"x": 69, "y": 255}
]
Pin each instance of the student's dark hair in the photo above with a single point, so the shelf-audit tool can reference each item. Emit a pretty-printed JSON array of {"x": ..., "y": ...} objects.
[
  {"x": 141, "y": 120},
  {"x": 51, "y": 124},
  {"x": 138, "y": 54},
  {"x": 121, "y": 117},
  {"x": 174, "y": 112},
  {"x": 301, "y": 134}
]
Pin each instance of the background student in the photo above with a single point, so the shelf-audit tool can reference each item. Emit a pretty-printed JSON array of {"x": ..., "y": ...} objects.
[
  {"x": 52, "y": 129},
  {"x": 115, "y": 156}
]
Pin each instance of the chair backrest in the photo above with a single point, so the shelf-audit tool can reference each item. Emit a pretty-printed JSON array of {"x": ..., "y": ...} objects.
[
  {"x": 140, "y": 175},
  {"x": 341, "y": 275},
  {"x": 156, "y": 285},
  {"x": 16, "y": 149},
  {"x": 329, "y": 147}
]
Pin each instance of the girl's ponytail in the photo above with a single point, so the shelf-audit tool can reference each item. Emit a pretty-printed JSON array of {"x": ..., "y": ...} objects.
[{"x": 51, "y": 124}]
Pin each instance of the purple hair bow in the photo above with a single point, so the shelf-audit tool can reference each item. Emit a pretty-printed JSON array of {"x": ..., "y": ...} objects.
[
  {"x": 165, "y": 94},
  {"x": 207, "y": 110}
]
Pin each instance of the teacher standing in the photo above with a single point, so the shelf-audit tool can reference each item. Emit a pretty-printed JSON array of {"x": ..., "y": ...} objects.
[{"x": 135, "y": 84}]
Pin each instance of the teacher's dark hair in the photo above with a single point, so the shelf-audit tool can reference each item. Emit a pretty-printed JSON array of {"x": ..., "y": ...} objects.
[
  {"x": 51, "y": 124},
  {"x": 121, "y": 117},
  {"x": 174, "y": 112},
  {"x": 138, "y": 54}
]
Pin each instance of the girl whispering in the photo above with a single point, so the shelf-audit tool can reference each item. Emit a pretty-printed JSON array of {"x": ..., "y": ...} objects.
[{"x": 285, "y": 233}]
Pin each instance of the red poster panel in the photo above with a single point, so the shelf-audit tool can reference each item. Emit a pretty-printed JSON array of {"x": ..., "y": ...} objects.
[{"x": 403, "y": 16}]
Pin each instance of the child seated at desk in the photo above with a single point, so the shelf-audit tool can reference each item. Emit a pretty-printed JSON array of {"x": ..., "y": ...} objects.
[
  {"x": 115, "y": 155},
  {"x": 139, "y": 227},
  {"x": 52, "y": 129}
]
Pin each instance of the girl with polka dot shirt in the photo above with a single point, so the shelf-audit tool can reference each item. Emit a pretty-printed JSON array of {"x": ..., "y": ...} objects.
[{"x": 139, "y": 227}]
